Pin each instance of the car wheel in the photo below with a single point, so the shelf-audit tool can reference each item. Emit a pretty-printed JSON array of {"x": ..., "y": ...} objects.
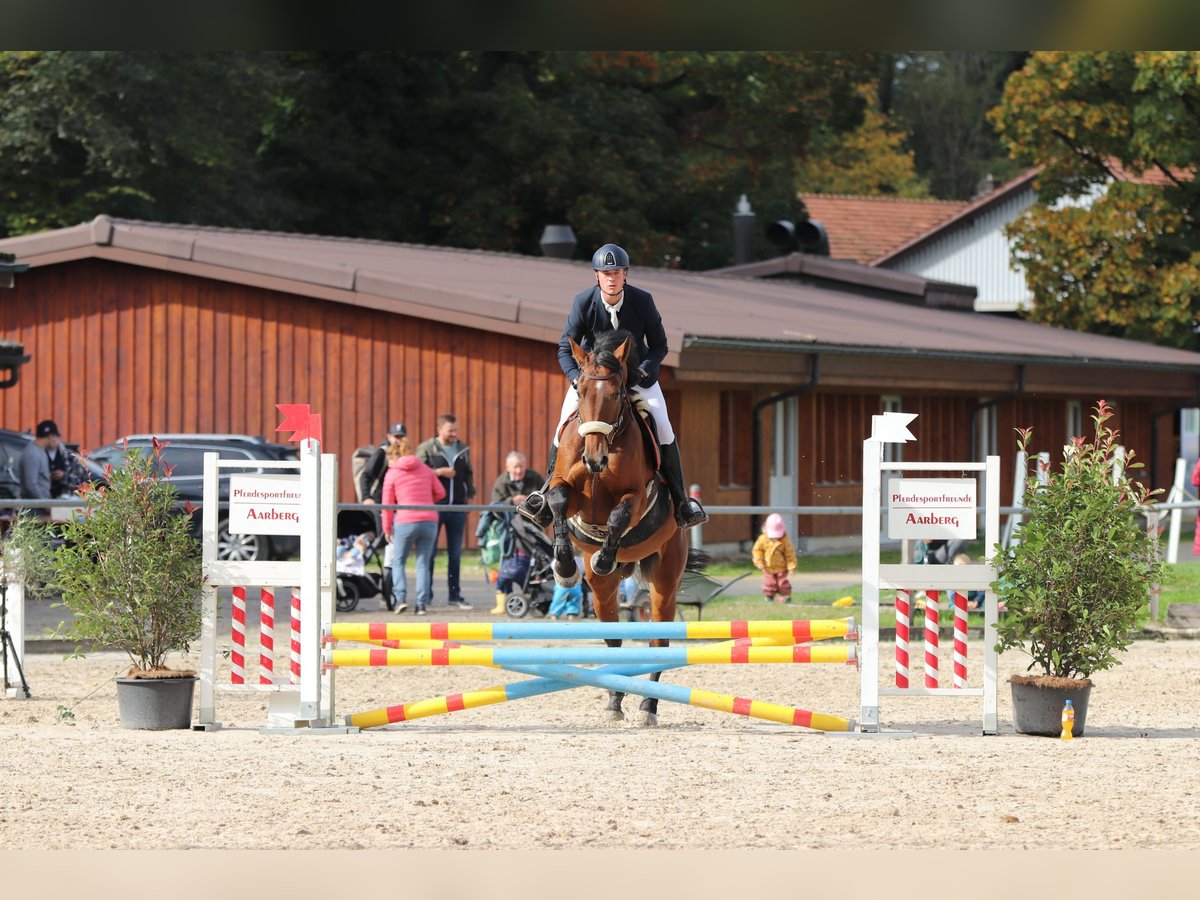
[{"x": 239, "y": 547}]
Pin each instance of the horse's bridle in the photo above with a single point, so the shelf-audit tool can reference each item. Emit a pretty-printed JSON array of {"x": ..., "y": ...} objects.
[{"x": 607, "y": 430}]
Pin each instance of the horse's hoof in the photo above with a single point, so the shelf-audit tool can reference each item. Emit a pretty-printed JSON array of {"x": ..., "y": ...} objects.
[
  {"x": 614, "y": 715},
  {"x": 649, "y": 720},
  {"x": 600, "y": 569}
]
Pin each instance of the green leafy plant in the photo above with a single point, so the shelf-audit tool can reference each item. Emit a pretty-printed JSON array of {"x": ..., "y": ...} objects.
[
  {"x": 1080, "y": 576},
  {"x": 129, "y": 571},
  {"x": 27, "y": 556}
]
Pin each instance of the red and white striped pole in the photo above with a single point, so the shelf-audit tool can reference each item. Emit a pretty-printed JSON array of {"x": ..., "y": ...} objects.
[
  {"x": 266, "y": 637},
  {"x": 903, "y": 613},
  {"x": 931, "y": 639},
  {"x": 237, "y": 673},
  {"x": 295, "y": 637},
  {"x": 960, "y": 639}
]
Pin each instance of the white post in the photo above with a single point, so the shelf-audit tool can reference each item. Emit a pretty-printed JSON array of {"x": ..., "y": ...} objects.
[
  {"x": 209, "y": 516},
  {"x": 991, "y": 532},
  {"x": 328, "y": 554},
  {"x": 868, "y": 659},
  {"x": 14, "y": 661},
  {"x": 310, "y": 583},
  {"x": 1175, "y": 496},
  {"x": 1014, "y": 520}
]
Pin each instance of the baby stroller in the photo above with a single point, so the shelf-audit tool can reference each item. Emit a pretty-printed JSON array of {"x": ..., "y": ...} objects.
[
  {"x": 535, "y": 590},
  {"x": 360, "y": 570}
]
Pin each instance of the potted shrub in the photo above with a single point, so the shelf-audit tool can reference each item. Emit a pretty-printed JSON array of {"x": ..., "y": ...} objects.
[
  {"x": 130, "y": 573},
  {"x": 1079, "y": 578}
]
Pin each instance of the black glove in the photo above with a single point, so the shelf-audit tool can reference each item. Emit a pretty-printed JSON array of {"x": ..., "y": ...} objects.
[{"x": 647, "y": 374}]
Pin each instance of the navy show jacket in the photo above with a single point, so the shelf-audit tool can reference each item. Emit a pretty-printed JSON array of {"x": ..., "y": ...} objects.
[{"x": 589, "y": 318}]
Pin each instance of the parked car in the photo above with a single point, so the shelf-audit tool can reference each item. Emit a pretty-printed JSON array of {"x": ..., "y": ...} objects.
[
  {"x": 185, "y": 454},
  {"x": 13, "y": 444}
]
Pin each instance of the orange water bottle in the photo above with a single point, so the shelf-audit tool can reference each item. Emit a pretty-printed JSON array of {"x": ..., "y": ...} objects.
[{"x": 1068, "y": 721}]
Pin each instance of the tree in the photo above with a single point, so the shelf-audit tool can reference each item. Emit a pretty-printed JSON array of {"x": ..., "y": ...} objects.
[
  {"x": 1112, "y": 246},
  {"x": 943, "y": 97},
  {"x": 871, "y": 160},
  {"x": 149, "y": 135}
]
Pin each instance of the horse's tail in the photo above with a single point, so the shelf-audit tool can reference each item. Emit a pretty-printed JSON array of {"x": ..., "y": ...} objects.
[{"x": 697, "y": 560}]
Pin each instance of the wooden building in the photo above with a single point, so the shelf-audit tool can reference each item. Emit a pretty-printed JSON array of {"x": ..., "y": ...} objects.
[{"x": 137, "y": 327}]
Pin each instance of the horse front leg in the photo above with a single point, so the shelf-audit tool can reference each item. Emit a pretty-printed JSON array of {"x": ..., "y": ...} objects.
[
  {"x": 566, "y": 573},
  {"x": 604, "y": 600},
  {"x": 604, "y": 560}
]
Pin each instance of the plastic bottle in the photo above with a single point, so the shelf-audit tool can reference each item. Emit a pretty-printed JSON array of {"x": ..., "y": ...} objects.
[{"x": 1068, "y": 721}]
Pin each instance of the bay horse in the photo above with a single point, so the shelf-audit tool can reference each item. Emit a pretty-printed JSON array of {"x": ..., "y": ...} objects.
[{"x": 607, "y": 499}]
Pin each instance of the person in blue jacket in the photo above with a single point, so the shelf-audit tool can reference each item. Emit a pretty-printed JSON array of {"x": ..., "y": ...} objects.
[{"x": 609, "y": 304}]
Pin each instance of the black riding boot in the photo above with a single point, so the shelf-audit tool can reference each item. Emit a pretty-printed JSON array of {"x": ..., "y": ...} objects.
[
  {"x": 534, "y": 507},
  {"x": 688, "y": 512}
]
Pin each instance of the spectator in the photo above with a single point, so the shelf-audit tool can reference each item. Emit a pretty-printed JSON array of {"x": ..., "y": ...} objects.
[
  {"x": 370, "y": 479},
  {"x": 37, "y": 476},
  {"x": 409, "y": 481},
  {"x": 447, "y": 456},
  {"x": 516, "y": 481},
  {"x": 774, "y": 554},
  {"x": 974, "y": 598},
  {"x": 567, "y": 602}
]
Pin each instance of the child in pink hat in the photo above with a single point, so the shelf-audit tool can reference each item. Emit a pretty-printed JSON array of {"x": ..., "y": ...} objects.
[{"x": 774, "y": 554}]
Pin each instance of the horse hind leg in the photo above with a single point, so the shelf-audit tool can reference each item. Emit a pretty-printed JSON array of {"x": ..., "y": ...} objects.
[
  {"x": 648, "y": 709},
  {"x": 615, "y": 698}
]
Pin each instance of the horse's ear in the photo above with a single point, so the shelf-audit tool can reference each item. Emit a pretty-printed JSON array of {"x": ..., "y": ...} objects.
[
  {"x": 622, "y": 352},
  {"x": 578, "y": 352}
]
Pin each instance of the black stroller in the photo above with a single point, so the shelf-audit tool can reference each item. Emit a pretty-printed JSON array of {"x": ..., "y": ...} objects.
[
  {"x": 361, "y": 573},
  {"x": 536, "y": 591}
]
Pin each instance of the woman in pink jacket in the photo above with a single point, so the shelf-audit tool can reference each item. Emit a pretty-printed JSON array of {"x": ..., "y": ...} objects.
[{"x": 410, "y": 481}]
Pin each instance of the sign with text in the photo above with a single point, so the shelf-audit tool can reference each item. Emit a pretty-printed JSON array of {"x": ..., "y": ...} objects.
[
  {"x": 264, "y": 504},
  {"x": 931, "y": 508}
]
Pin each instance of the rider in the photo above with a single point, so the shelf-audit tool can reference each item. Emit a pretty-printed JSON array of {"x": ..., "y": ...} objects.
[{"x": 610, "y": 304}]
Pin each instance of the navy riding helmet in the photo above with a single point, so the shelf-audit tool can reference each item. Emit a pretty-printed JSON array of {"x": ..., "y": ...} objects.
[{"x": 609, "y": 257}]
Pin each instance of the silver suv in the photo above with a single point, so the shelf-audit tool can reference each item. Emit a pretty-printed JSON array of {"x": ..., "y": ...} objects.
[{"x": 185, "y": 454}]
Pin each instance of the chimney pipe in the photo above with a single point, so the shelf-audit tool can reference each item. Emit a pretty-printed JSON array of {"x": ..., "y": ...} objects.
[
  {"x": 743, "y": 233},
  {"x": 558, "y": 241}
]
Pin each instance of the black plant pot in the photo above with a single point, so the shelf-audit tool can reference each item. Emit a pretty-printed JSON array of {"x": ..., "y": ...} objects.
[
  {"x": 1037, "y": 709},
  {"x": 155, "y": 704}
]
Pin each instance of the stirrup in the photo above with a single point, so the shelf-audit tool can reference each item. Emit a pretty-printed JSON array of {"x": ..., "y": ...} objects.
[
  {"x": 535, "y": 508},
  {"x": 690, "y": 514}
]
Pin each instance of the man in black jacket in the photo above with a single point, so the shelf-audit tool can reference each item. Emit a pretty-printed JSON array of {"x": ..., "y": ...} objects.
[
  {"x": 447, "y": 456},
  {"x": 370, "y": 479},
  {"x": 607, "y": 305}
]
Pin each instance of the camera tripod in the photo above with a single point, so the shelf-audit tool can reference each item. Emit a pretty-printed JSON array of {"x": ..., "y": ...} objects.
[{"x": 7, "y": 645}]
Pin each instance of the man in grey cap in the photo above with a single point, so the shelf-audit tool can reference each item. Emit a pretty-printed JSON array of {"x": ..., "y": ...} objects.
[
  {"x": 370, "y": 479},
  {"x": 36, "y": 474}
]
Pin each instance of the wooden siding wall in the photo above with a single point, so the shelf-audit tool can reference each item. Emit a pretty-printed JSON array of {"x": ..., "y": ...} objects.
[{"x": 119, "y": 350}]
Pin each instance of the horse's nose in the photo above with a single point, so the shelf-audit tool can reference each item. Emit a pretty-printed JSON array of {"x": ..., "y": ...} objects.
[{"x": 596, "y": 466}]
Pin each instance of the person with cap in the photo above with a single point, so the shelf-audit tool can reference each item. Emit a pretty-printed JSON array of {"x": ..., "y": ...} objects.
[
  {"x": 774, "y": 554},
  {"x": 36, "y": 474},
  {"x": 609, "y": 304},
  {"x": 370, "y": 479}
]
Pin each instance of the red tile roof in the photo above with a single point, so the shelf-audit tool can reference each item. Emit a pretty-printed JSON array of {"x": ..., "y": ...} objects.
[{"x": 863, "y": 228}]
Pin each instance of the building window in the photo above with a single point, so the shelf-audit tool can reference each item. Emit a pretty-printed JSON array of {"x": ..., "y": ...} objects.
[
  {"x": 737, "y": 413},
  {"x": 892, "y": 452},
  {"x": 1074, "y": 420}
]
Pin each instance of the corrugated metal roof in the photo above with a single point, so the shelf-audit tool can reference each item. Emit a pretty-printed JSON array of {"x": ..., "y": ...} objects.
[{"x": 530, "y": 295}]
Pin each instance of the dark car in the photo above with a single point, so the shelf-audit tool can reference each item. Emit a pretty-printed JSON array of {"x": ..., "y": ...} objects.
[
  {"x": 13, "y": 444},
  {"x": 185, "y": 454}
]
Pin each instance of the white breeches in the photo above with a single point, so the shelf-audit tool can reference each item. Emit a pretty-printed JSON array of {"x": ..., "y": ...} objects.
[{"x": 651, "y": 396}]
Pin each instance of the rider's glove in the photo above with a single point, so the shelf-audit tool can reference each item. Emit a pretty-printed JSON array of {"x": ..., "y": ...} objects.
[{"x": 647, "y": 374}]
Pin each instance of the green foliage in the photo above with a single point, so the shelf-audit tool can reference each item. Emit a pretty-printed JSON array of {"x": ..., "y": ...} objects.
[
  {"x": 27, "y": 556},
  {"x": 129, "y": 570},
  {"x": 1113, "y": 246},
  {"x": 1079, "y": 580}
]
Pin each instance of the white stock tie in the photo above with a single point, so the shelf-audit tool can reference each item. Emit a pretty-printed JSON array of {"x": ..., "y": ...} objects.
[{"x": 612, "y": 312}]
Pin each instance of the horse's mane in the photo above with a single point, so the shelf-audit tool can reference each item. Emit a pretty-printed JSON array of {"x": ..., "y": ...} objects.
[{"x": 604, "y": 352}]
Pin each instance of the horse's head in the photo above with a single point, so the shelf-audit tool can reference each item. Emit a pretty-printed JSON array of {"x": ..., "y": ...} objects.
[{"x": 602, "y": 387}]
